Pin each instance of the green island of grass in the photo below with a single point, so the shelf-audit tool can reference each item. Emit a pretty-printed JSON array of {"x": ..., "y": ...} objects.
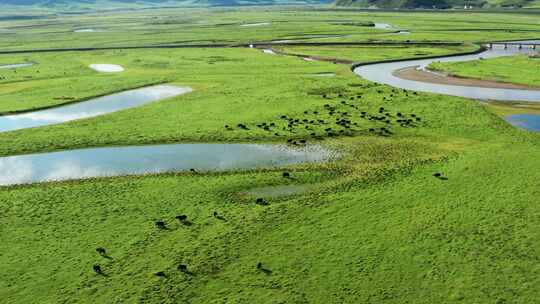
[{"x": 523, "y": 69}]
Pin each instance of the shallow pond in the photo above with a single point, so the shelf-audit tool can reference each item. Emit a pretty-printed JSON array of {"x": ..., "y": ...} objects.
[
  {"x": 89, "y": 30},
  {"x": 384, "y": 73},
  {"x": 529, "y": 122},
  {"x": 255, "y": 24},
  {"x": 269, "y": 51},
  {"x": 382, "y": 26},
  {"x": 96, "y": 162},
  {"x": 106, "y": 68},
  {"x": 93, "y": 107},
  {"x": 16, "y": 65},
  {"x": 328, "y": 74}
]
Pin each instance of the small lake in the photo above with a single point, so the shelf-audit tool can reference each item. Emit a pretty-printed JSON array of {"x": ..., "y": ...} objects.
[
  {"x": 93, "y": 107},
  {"x": 384, "y": 73},
  {"x": 98, "y": 162},
  {"x": 529, "y": 122}
]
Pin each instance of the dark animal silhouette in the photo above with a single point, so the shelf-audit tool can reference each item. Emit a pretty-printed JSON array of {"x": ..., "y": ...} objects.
[
  {"x": 182, "y": 218},
  {"x": 183, "y": 268},
  {"x": 219, "y": 217},
  {"x": 160, "y": 274},
  {"x": 161, "y": 225},
  {"x": 97, "y": 269},
  {"x": 440, "y": 176},
  {"x": 101, "y": 251},
  {"x": 286, "y": 174},
  {"x": 261, "y": 201},
  {"x": 262, "y": 269}
]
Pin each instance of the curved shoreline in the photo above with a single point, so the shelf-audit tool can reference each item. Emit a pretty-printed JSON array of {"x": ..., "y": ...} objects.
[
  {"x": 75, "y": 101},
  {"x": 110, "y": 103},
  {"x": 385, "y": 72},
  {"x": 413, "y": 73}
]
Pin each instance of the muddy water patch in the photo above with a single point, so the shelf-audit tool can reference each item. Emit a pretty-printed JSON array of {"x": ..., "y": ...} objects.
[
  {"x": 115, "y": 161},
  {"x": 90, "y": 108},
  {"x": 106, "y": 68}
]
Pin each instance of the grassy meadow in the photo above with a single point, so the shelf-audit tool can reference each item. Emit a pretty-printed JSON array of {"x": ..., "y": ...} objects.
[{"x": 374, "y": 226}]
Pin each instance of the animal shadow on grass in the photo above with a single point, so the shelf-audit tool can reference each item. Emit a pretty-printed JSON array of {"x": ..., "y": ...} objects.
[
  {"x": 219, "y": 217},
  {"x": 263, "y": 270},
  {"x": 440, "y": 176}
]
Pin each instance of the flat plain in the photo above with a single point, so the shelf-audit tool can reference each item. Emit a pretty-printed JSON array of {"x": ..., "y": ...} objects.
[{"x": 372, "y": 226}]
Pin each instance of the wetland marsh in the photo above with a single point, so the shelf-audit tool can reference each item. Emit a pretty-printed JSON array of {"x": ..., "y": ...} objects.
[{"x": 433, "y": 198}]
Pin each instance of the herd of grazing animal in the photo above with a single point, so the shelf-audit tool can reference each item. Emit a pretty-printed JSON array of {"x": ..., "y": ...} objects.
[
  {"x": 162, "y": 225},
  {"x": 343, "y": 118},
  {"x": 340, "y": 116}
]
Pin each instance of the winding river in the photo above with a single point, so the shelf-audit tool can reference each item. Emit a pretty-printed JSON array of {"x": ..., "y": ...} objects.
[{"x": 385, "y": 73}]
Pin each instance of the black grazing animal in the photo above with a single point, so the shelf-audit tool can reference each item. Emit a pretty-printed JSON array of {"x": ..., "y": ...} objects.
[
  {"x": 160, "y": 274},
  {"x": 286, "y": 174},
  {"x": 101, "y": 251},
  {"x": 440, "y": 176},
  {"x": 219, "y": 217},
  {"x": 261, "y": 268},
  {"x": 181, "y": 217},
  {"x": 183, "y": 268},
  {"x": 97, "y": 269},
  {"x": 261, "y": 201},
  {"x": 160, "y": 225}
]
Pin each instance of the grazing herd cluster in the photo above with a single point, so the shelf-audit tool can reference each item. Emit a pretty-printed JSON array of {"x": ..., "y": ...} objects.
[
  {"x": 340, "y": 116},
  {"x": 183, "y": 220}
]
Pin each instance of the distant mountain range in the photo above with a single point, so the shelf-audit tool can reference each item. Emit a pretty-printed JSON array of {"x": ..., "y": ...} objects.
[
  {"x": 428, "y": 4},
  {"x": 383, "y": 4},
  {"x": 146, "y": 3}
]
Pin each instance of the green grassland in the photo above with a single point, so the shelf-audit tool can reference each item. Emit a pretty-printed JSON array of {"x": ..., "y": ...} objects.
[
  {"x": 198, "y": 26},
  {"x": 374, "y": 226},
  {"x": 372, "y": 53},
  {"x": 231, "y": 86},
  {"x": 516, "y": 69}
]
